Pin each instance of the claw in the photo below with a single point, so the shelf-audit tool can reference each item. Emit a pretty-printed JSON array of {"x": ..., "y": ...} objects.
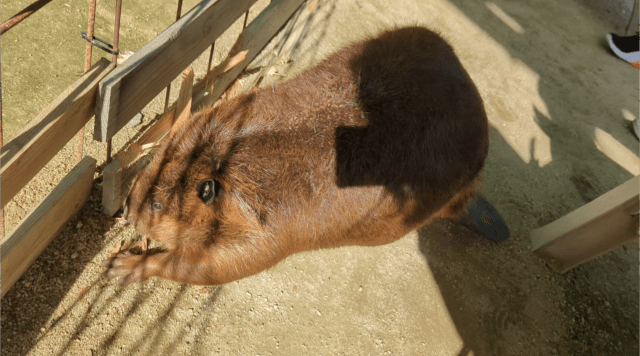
[{"x": 126, "y": 265}]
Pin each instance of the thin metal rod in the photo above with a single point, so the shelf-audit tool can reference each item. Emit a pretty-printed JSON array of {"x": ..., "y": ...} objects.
[
  {"x": 116, "y": 32},
  {"x": 166, "y": 98},
  {"x": 26, "y": 12},
  {"x": 213, "y": 46},
  {"x": 179, "y": 11},
  {"x": 91, "y": 17},
  {"x": 109, "y": 151},
  {"x": 114, "y": 59}
]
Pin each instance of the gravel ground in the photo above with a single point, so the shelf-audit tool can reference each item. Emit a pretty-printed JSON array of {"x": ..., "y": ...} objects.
[{"x": 559, "y": 105}]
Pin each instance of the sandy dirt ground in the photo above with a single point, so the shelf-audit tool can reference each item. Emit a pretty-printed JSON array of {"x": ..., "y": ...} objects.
[{"x": 559, "y": 105}]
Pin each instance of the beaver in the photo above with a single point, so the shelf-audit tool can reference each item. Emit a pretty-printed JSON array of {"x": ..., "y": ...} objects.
[{"x": 377, "y": 140}]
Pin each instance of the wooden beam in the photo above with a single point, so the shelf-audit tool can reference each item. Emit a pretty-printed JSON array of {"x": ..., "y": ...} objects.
[
  {"x": 183, "y": 105},
  {"x": 119, "y": 173},
  {"x": 250, "y": 42},
  {"x": 116, "y": 181},
  {"x": 132, "y": 85},
  {"x": 25, "y": 243},
  {"x": 25, "y": 155},
  {"x": 598, "y": 227}
]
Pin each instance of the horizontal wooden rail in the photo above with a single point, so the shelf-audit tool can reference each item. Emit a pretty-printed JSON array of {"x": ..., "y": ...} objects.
[
  {"x": 24, "y": 156},
  {"x": 146, "y": 73},
  {"x": 592, "y": 230},
  {"x": 119, "y": 173},
  {"x": 25, "y": 243}
]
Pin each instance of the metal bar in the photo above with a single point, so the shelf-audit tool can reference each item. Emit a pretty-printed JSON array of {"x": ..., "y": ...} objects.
[
  {"x": 91, "y": 17},
  {"x": 179, "y": 12},
  {"x": 166, "y": 98},
  {"x": 213, "y": 46},
  {"x": 114, "y": 58},
  {"x": 91, "y": 23},
  {"x": 26, "y": 12},
  {"x": 116, "y": 32}
]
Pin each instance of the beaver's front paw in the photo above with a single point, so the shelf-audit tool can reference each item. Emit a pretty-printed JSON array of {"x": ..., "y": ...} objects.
[{"x": 132, "y": 268}]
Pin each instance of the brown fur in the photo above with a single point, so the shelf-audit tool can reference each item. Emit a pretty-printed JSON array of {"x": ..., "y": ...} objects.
[{"x": 374, "y": 142}]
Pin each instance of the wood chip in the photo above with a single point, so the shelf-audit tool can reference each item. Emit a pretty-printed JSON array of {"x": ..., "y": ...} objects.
[
  {"x": 148, "y": 146},
  {"x": 83, "y": 292}
]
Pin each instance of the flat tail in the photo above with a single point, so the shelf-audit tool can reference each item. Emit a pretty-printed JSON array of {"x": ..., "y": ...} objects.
[{"x": 484, "y": 219}]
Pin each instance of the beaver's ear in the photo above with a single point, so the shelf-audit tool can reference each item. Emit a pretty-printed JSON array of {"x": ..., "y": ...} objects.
[{"x": 206, "y": 190}]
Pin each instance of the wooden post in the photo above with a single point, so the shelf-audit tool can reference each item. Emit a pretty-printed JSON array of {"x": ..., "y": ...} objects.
[
  {"x": 119, "y": 173},
  {"x": 116, "y": 179},
  {"x": 183, "y": 105},
  {"x": 25, "y": 243},
  {"x": 600, "y": 226}
]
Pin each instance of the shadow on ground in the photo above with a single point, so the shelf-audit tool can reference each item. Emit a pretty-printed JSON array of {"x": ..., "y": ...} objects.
[
  {"x": 498, "y": 296},
  {"x": 72, "y": 298},
  {"x": 489, "y": 301}
]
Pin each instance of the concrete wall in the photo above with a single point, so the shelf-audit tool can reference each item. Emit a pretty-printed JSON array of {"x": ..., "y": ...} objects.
[{"x": 615, "y": 13}]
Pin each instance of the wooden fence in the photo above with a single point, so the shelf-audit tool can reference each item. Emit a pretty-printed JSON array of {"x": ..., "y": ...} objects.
[{"x": 114, "y": 96}]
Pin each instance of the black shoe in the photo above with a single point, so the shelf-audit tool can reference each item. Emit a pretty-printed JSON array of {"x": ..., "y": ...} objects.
[{"x": 625, "y": 47}]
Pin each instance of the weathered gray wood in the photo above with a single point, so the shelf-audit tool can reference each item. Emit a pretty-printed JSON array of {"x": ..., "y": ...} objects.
[
  {"x": 131, "y": 86},
  {"x": 25, "y": 243},
  {"x": 33, "y": 148},
  {"x": 604, "y": 224}
]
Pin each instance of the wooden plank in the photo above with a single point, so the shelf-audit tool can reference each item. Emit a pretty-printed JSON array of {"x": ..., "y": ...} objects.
[
  {"x": 132, "y": 85},
  {"x": 23, "y": 245},
  {"x": 117, "y": 180},
  {"x": 25, "y": 155},
  {"x": 600, "y": 226},
  {"x": 153, "y": 134},
  {"x": 118, "y": 174},
  {"x": 183, "y": 105},
  {"x": 250, "y": 42}
]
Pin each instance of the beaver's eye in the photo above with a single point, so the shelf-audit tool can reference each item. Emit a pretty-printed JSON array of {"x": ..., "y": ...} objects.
[
  {"x": 206, "y": 190},
  {"x": 156, "y": 206}
]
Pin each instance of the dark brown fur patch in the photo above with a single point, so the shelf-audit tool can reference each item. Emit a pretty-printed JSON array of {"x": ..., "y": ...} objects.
[{"x": 374, "y": 142}]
